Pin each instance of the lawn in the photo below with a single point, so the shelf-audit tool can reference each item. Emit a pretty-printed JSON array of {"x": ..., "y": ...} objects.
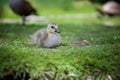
[{"x": 98, "y": 59}]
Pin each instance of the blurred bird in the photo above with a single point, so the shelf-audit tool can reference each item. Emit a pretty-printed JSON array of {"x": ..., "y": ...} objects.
[
  {"x": 22, "y": 8},
  {"x": 49, "y": 37},
  {"x": 111, "y": 8}
]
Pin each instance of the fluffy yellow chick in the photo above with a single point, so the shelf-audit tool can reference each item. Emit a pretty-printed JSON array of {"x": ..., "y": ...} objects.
[{"x": 49, "y": 37}]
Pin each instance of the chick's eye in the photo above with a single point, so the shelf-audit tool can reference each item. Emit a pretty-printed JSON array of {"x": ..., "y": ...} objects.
[{"x": 52, "y": 26}]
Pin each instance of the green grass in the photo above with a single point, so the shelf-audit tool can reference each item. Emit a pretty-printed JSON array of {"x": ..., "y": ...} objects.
[{"x": 99, "y": 59}]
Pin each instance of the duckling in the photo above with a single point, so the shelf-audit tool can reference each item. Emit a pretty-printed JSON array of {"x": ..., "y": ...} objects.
[{"x": 49, "y": 37}]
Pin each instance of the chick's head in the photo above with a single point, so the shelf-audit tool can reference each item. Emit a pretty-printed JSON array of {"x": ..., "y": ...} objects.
[{"x": 53, "y": 28}]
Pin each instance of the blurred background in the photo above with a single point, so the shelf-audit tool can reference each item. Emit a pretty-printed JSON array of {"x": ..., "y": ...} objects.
[{"x": 56, "y": 10}]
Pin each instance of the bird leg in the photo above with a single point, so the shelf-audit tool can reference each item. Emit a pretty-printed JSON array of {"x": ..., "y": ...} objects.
[{"x": 23, "y": 20}]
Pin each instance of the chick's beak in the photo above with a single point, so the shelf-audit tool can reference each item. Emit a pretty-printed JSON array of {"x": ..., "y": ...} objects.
[{"x": 57, "y": 31}]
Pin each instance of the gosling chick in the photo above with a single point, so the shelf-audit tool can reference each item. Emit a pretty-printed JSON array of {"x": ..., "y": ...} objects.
[{"x": 49, "y": 37}]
